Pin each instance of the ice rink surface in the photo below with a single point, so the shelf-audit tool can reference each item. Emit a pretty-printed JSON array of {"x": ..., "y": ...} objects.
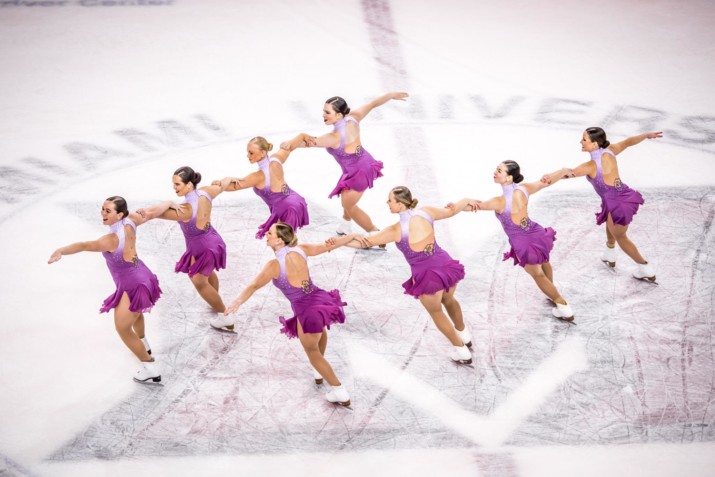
[{"x": 109, "y": 97}]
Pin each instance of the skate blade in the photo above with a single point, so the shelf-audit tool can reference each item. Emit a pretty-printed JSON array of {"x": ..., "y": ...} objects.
[
  {"x": 156, "y": 379},
  {"x": 569, "y": 320},
  {"x": 343, "y": 404},
  {"x": 463, "y": 361},
  {"x": 611, "y": 265},
  {"x": 319, "y": 381},
  {"x": 650, "y": 280},
  {"x": 224, "y": 329}
]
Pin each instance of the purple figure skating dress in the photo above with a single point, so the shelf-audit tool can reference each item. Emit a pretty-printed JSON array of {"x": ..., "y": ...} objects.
[
  {"x": 360, "y": 169},
  {"x": 285, "y": 206},
  {"x": 314, "y": 307},
  {"x": 432, "y": 269},
  {"x": 132, "y": 278},
  {"x": 530, "y": 242},
  {"x": 619, "y": 200},
  {"x": 205, "y": 246}
]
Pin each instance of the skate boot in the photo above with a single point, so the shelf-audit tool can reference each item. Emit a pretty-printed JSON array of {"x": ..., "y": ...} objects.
[
  {"x": 563, "y": 312},
  {"x": 317, "y": 376},
  {"x": 146, "y": 372},
  {"x": 345, "y": 227},
  {"x": 146, "y": 345},
  {"x": 645, "y": 271},
  {"x": 461, "y": 355},
  {"x": 465, "y": 336},
  {"x": 609, "y": 256},
  {"x": 338, "y": 395},
  {"x": 223, "y": 323}
]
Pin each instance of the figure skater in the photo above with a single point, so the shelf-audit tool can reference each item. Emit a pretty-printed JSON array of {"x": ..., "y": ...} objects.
[
  {"x": 434, "y": 273},
  {"x": 619, "y": 203},
  {"x": 205, "y": 249},
  {"x": 359, "y": 168},
  {"x": 269, "y": 184},
  {"x": 314, "y": 308},
  {"x": 530, "y": 243},
  {"x": 137, "y": 287}
]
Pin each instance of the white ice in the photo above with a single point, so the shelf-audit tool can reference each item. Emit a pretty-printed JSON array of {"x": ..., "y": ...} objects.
[{"x": 105, "y": 97}]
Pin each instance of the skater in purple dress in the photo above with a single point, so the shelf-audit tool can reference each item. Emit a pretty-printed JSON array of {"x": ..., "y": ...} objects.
[
  {"x": 619, "y": 203},
  {"x": 269, "y": 184},
  {"x": 530, "y": 243},
  {"x": 359, "y": 168},
  {"x": 137, "y": 287},
  {"x": 434, "y": 273},
  {"x": 205, "y": 249},
  {"x": 314, "y": 308}
]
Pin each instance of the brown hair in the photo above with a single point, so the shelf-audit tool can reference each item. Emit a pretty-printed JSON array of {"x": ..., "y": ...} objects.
[
  {"x": 403, "y": 195},
  {"x": 286, "y": 234}
]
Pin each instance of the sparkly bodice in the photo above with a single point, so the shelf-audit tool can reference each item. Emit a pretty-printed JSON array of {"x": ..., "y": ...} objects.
[
  {"x": 189, "y": 228},
  {"x": 339, "y": 153},
  {"x": 505, "y": 217},
  {"x": 404, "y": 245},
  {"x": 291, "y": 292},
  {"x": 265, "y": 192},
  {"x": 115, "y": 260},
  {"x": 597, "y": 182}
]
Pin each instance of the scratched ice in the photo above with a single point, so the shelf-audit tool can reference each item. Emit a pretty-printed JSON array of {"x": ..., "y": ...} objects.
[{"x": 649, "y": 377}]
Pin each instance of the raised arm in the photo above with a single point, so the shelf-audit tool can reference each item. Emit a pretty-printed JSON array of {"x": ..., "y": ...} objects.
[
  {"x": 587, "y": 168},
  {"x": 449, "y": 210},
  {"x": 632, "y": 141},
  {"x": 269, "y": 272},
  {"x": 301, "y": 140},
  {"x": 362, "y": 111},
  {"x": 495, "y": 203},
  {"x": 177, "y": 212},
  {"x": 330, "y": 244},
  {"x": 106, "y": 243},
  {"x": 232, "y": 184},
  {"x": 155, "y": 211}
]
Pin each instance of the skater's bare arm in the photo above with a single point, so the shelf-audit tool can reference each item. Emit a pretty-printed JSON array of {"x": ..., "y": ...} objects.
[
  {"x": 621, "y": 146},
  {"x": 107, "y": 243},
  {"x": 269, "y": 272}
]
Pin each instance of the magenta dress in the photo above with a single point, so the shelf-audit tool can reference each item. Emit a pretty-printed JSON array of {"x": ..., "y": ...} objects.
[
  {"x": 132, "y": 278},
  {"x": 285, "y": 206},
  {"x": 530, "y": 243},
  {"x": 432, "y": 269},
  {"x": 205, "y": 246},
  {"x": 360, "y": 169},
  {"x": 619, "y": 200},
  {"x": 314, "y": 307}
]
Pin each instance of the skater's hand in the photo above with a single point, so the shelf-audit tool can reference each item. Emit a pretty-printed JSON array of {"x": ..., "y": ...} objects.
[
  {"x": 399, "y": 95},
  {"x": 142, "y": 212},
  {"x": 654, "y": 135},
  {"x": 286, "y": 145},
  {"x": 546, "y": 179},
  {"x": 232, "y": 308},
  {"x": 56, "y": 255},
  {"x": 362, "y": 240}
]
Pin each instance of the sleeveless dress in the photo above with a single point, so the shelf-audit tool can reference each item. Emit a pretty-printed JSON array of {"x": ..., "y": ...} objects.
[
  {"x": 360, "y": 169},
  {"x": 619, "y": 200},
  {"x": 530, "y": 242},
  {"x": 285, "y": 206},
  {"x": 134, "y": 278},
  {"x": 432, "y": 269},
  {"x": 313, "y": 306},
  {"x": 206, "y": 246}
]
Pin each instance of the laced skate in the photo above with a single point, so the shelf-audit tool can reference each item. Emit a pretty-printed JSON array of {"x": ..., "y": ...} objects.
[
  {"x": 465, "y": 336},
  {"x": 563, "y": 312},
  {"x": 609, "y": 256},
  {"x": 645, "y": 272},
  {"x": 338, "y": 395},
  {"x": 222, "y": 323},
  {"x": 146, "y": 372},
  {"x": 317, "y": 376},
  {"x": 461, "y": 355}
]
